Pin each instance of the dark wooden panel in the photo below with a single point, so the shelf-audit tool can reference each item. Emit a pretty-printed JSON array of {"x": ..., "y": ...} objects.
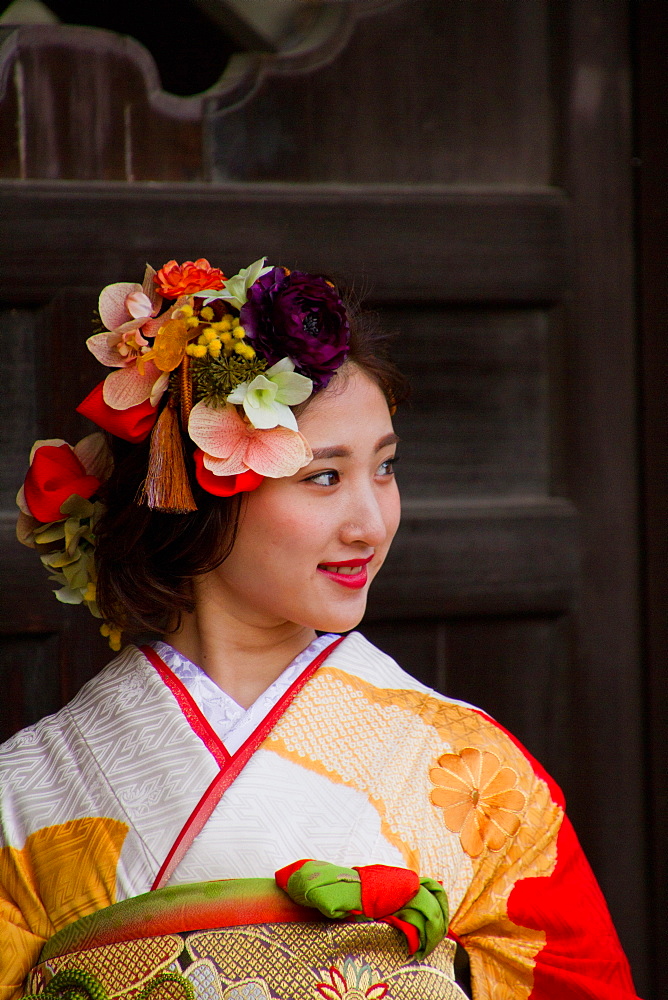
[
  {"x": 478, "y": 422},
  {"x": 18, "y": 427},
  {"x": 517, "y": 670},
  {"x": 608, "y": 801},
  {"x": 64, "y": 325},
  {"x": 489, "y": 557},
  {"x": 651, "y": 38},
  {"x": 423, "y": 91},
  {"x": 432, "y": 243},
  {"x": 28, "y": 608},
  {"x": 86, "y": 104},
  {"x": 26, "y": 601},
  {"x": 29, "y": 684}
]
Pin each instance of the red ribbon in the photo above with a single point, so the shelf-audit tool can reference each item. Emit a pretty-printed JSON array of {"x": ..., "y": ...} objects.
[
  {"x": 224, "y": 486},
  {"x": 386, "y": 889},
  {"x": 54, "y": 475},
  {"x": 134, "y": 424},
  {"x": 283, "y": 874}
]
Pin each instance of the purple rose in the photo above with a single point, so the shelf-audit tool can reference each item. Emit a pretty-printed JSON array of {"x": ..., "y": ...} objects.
[{"x": 299, "y": 316}]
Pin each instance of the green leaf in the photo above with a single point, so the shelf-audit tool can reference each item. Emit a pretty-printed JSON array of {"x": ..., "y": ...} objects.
[
  {"x": 74, "y": 530},
  {"x": 58, "y": 560},
  {"x": 52, "y": 532},
  {"x": 76, "y": 506}
]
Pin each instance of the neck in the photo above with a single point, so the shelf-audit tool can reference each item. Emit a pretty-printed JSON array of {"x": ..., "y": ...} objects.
[{"x": 243, "y": 656}]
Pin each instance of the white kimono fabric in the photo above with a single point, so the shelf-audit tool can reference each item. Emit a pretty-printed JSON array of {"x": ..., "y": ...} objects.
[{"x": 365, "y": 766}]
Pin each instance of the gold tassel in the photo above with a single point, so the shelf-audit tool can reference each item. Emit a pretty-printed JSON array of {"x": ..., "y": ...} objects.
[
  {"x": 167, "y": 486},
  {"x": 185, "y": 392}
]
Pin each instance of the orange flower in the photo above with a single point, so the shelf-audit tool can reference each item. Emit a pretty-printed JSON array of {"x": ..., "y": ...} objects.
[
  {"x": 479, "y": 799},
  {"x": 174, "y": 279},
  {"x": 169, "y": 346}
]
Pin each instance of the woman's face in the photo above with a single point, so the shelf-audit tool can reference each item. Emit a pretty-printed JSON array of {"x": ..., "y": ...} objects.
[{"x": 308, "y": 546}]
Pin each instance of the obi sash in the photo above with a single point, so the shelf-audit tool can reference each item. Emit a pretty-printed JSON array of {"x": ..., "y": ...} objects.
[{"x": 240, "y": 939}]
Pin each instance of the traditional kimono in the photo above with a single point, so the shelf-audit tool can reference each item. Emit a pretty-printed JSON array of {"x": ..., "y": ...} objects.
[{"x": 130, "y": 788}]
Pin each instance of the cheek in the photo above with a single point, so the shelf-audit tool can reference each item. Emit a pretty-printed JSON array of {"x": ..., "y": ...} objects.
[
  {"x": 392, "y": 512},
  {"x": 276, "y": 526}
]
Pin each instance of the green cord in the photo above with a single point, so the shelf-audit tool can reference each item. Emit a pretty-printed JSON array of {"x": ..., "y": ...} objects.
[{"x": 75, "y": 984}]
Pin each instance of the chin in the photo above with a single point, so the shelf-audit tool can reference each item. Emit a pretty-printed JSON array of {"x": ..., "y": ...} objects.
[{"x": 339, "y": 619}]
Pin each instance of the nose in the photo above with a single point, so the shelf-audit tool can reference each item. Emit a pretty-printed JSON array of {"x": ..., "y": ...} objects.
[{"x": 366, "y": 519}]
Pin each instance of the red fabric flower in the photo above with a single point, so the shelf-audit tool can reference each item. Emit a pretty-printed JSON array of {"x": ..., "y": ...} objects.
[
  {"x": 175, "y": 279},
  {"x": 224, "y": 486},
  {"x": 133, "y": 424},
  {"x": 54, "y": 475}
]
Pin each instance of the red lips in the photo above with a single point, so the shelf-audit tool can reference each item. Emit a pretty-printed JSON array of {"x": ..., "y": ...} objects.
[{"x": 354, "y": 580}]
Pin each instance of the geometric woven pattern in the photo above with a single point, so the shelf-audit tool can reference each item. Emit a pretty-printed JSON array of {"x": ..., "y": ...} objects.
[
  {"x": 118, "y": 968},
  {"x": 287, "y": 961}
]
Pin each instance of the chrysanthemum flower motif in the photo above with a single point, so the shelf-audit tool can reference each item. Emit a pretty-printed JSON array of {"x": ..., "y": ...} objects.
[
  {"x": 268, "y": 398},
  {"x": 231, "y": 446},
  {"x": 479, "y": 799},
  {"x": 354, "y": 981}
]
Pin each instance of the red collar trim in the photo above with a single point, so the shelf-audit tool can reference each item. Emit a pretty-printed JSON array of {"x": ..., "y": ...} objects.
[
  {"x": 198, "y": 722},
  {"x": 232, "y": 766}
]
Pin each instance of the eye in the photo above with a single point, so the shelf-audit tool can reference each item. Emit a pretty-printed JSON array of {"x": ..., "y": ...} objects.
[
  {"x": 328, "y": 478},
  {"x": 386, "y": 468}
]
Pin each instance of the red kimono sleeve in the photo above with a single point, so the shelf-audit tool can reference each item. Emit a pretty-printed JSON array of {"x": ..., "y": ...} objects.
[
  {"x": 582, "y": 957},
  {"x": 551, "y": 936}
]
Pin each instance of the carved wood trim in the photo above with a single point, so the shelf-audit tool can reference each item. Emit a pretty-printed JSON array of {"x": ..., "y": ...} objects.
[{"x": 493, "y": 244}]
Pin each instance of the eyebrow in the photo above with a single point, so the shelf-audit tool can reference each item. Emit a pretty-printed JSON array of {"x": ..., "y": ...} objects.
[{"x": 339, "y": 451}]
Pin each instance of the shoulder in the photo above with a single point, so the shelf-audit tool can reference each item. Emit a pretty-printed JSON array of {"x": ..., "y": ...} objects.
[
  {"x": 52, "y": 769},
  {"x": 364, "y": 661},
  {"x": 457, "y": 727},
  {"x": 56, "y": 747},
  {"x": 126, "y": 673}
]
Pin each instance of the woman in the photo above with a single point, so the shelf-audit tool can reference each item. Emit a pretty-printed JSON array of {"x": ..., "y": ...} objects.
[{"x": 246, "y": 530}]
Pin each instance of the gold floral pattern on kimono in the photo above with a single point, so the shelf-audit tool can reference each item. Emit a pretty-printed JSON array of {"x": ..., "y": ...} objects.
[{"x": 479, "y": 799}]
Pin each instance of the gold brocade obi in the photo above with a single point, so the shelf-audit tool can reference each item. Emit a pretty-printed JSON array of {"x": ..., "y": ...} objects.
[{"x": 234, "y": 940}]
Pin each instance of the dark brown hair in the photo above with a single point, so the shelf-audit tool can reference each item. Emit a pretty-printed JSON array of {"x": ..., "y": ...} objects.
[{"x": 146, "y": 559}]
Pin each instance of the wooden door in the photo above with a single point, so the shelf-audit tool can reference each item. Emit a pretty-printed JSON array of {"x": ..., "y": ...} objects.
[{"x": 468, "y": 165}]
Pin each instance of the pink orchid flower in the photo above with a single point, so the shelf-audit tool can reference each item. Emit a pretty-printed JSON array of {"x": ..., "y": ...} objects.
[
  {"x": 126, "y": 310},
  {"x": 232, "y": 446},
  {"x": 128, "y": 313}
]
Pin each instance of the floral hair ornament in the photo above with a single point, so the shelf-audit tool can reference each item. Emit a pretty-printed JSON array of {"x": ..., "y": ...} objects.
[
  {"x": 58, "y": 510},
  {"x": 195, "y": 355},
  {"x": 231, "y": 356}
]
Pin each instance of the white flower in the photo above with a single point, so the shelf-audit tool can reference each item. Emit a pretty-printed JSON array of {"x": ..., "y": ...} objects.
[
  {"x": 236, "y": 288},
  {"x": 268, "y": 398}
]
